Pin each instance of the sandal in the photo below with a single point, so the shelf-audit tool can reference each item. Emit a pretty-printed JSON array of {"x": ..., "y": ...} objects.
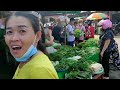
[{"x": 105, "y": 77}]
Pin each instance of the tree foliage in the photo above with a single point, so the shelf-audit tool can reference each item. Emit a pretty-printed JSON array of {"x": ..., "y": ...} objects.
[{"x": 3, "y": 14}]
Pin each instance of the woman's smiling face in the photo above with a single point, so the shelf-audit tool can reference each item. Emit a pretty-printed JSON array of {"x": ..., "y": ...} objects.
[{"x": 19, "y": 36}]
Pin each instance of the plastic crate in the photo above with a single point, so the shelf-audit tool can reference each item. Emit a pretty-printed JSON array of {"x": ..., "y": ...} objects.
[
  {"x": 61, "y": 74},
  {"x": 1, "y": 34},
  {"x": 94, "y": 57}
]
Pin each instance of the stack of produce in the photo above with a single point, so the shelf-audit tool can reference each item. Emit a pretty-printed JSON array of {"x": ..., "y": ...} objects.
[
  {"x": 63, "y": 67},
  {"x": 89, "y": 43},
  {"x": 72, "y": 69},
  {"x": 64, "y": 52},
  {"x": 89, "y": 49},
  {"x": 68, "y": 67}
]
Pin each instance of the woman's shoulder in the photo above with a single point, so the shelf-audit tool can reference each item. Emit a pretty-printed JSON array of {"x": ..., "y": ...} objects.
[
  {"x": 109, "y": 32},
  {"x": 40, "y": 55},
  {"x": 42, "y": 67},
  {"x": 40, "y": 60}
]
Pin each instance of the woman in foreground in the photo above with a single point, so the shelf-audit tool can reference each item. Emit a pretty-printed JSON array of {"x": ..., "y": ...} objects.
[{"x": 23, "y": 33}]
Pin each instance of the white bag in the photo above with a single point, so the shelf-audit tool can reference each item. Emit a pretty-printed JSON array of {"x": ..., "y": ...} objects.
[
  {"x": 97, "y": 68},
  {"x": 75, "y": 58},
  {"x": 51, "y": 49}
]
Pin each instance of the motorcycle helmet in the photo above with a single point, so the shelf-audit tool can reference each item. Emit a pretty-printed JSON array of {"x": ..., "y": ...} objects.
[{"x": 105, "y": 24}]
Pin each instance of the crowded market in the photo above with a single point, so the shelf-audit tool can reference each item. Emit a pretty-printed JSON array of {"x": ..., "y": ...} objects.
[{"x": 59, "y": 45}]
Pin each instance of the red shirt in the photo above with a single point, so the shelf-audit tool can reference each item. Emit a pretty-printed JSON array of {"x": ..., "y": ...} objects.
[{"x": 91, "y": 28}]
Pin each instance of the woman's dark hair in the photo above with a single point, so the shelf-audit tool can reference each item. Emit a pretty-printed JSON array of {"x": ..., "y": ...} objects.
[
  {"x": 36, "y": 24},
  {"x": 41, "y": 44},
  {"x": 75, "y": 22},
  {"x": 89, "y": 23},
  {"x": 29, "y": 15}
]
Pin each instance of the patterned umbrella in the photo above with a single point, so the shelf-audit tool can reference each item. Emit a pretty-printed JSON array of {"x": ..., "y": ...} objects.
[{"x": 95, "y": 16}]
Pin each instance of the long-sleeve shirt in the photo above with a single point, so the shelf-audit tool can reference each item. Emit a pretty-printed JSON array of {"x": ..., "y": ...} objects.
[{"x": 91, "y": 28}]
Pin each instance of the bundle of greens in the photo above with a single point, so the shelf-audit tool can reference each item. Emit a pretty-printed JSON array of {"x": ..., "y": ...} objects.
[
  {"x": 89, "y": 43},
  {"x": 80, "y": 69},
  {"x": 90, "y": 53},
  {"x": 61, "y": 66},
  {"x": 78, "y": 75},
  {"x": 78, "y": 33},
  {"x": 64, "y": 64},
  {"x": 74, "y": 69},
  {"x": 63, "y": 52},
  {"x": 81, "y": 65}
]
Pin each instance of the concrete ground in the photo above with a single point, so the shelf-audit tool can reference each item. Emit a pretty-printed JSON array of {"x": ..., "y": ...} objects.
[
  {"x": 117, "y": 38},
  {"x": 115, "y": 74}
]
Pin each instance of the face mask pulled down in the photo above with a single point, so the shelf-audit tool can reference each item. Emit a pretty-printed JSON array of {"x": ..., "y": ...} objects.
[{"x": 30, "y": 52}]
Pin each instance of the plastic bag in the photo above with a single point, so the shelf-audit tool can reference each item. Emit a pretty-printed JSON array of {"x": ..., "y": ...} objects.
[
  {"x": 75, "y": 58},
  {"x": 97, "y": 68},
  {"x": 51, "y": 49}
]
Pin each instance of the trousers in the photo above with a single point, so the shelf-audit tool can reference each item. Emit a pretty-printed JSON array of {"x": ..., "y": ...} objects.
[{"x": 105, "y": 63}]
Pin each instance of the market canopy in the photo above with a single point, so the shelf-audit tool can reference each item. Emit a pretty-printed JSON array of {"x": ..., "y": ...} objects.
[
  {"x": 67, "y": 12},
  {"x": 78, "y": 18},
  {"x": 97, "y": 16}
]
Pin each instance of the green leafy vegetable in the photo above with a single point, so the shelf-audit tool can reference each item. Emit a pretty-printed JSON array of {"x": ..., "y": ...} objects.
[{"x": 78, "y": 33}]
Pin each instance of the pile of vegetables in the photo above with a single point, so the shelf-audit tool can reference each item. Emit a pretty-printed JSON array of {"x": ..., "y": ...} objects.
[
  {"x": 81, "y": 65},
  {"x": 64, "y": 64},
  {"x": 76, "y": 69},
  {"x": 56, "y": 45},
  {"x": 61, "y": 67},
  {"x": 78, "y": 33},
  {"x": 64, "y": 52},
  {"x": 79, "y": 70},
  {"x": 89, "y": 43},
  {"x": 78, "y": 75},
  {"x": 90, "y": 53}
]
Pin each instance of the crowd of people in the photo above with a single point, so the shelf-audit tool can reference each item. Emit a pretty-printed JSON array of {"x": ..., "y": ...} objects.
[
  {"x": 86, "y": 28},
  {"x": 66, "y": 33}
]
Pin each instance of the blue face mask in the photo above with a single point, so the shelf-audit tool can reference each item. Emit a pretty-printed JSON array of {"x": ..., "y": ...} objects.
[{"x": 30, "y": 52}]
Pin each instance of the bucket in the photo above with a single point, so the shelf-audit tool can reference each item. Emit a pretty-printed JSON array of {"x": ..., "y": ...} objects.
[
  {"x": 61, "y": 74},
  {"x": 94, "y": 58}
]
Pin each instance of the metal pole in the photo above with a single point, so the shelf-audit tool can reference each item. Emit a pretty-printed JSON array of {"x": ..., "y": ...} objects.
[
  {"x": 110, "y": 14},
  {"x": 65, "y": 27}
]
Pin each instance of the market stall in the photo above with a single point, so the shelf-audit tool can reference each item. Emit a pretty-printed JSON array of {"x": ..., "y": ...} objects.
[{"x": 80, "y": 62}]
